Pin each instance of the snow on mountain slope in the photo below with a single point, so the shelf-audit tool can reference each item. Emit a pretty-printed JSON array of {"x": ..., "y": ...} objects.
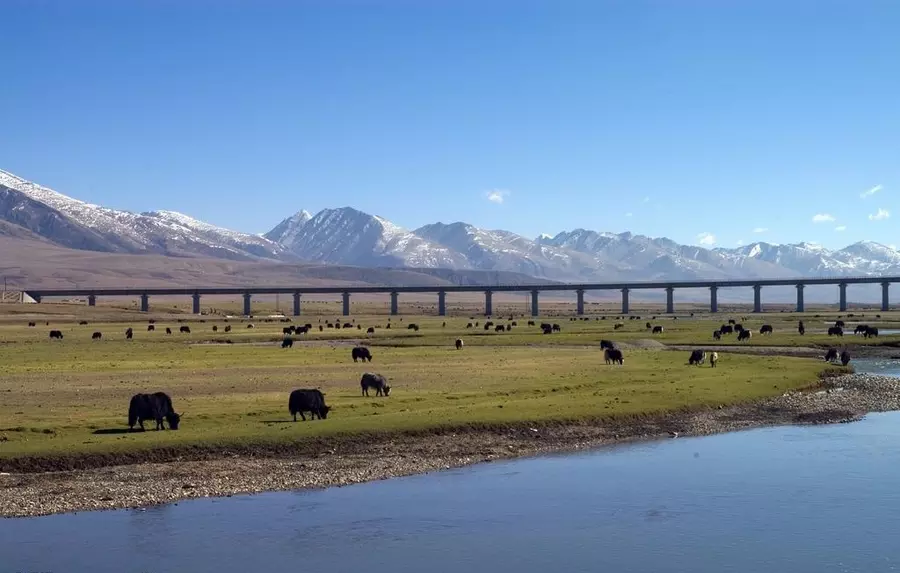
[
  {"x": 348, "y": 236},
  {"x": 73, "y": 223}
]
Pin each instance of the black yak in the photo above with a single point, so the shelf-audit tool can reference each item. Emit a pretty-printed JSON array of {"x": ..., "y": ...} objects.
[
  {"x": 604, "y": 344},
  {"x": 657, "y": 330},
  {"x": 613, "y": 356},
  {"x": 287, "y": 342},
  {"x": 370, "y": 330},
  {"x": 168, "y": 330},
  {"x": 801, "y": 328},
  {"x": 835, "y": 331},
  {"x": 845, "y": 358},
  {"x": 361, "y": 353},
  {"x": 459, "y": 343},
  {"x": 185, "y": 329},
  {"x": 376, "y": 381},
  {"x": 697, "y": 357},
  {"x": 308, "y": 400},
  {"x": 129, "y": 333},
  {"x": 56, "y": 334},
  {"x": 870, "y": 331},
  {"x": 766, "y": 329},
  {"x": 157, "y": 407},
  {"x": 831, "y": 355},
  {"x": 744, "y": 335},
  {"x": 97, "y": 336},
  {"x": 717, "y": 335}
]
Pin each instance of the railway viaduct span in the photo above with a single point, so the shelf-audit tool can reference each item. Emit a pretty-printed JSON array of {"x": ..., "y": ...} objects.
[{"x": 395, "y": 291}]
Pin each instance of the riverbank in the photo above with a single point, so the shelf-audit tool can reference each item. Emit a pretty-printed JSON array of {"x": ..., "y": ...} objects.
[{"x": 342, "y": 462}]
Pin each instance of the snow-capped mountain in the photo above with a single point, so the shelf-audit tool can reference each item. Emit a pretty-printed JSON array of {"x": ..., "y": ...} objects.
[
  {"x": 351, "y": 237},
  {"x": 347, "y": 236},
  {"x": 72, "y": 223}
]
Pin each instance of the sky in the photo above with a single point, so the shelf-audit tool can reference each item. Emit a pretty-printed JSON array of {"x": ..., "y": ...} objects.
[{"x": 708, "y": 122}]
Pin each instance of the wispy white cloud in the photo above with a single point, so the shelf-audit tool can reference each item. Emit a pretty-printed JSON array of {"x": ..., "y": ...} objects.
[
  {"x": 497, "y": 196},
  {"x": 629, "y": 214},
  {"x": 823, "y": 218},
  {"x": 870, "y": 192},
  {"x": 760, "y": 229},
  {"x": 740, "y": 242},
  {"x": 881, "y": 215},
  {"x": 706, "y": 239},
  {"x": 840, "y": 228}
]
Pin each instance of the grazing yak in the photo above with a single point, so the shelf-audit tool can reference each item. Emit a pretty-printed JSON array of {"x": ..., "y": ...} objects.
[
  {"x": 168, "y": 330},
  {"x": 613, "y": 356},
  {"x": 185, "y": 329},
  {"x": 469, "y": 325},
  {"x": 870, "y": 331},
  {"x": 250, "y": 325},
  {"x": 129, "y": 333},
  {"x": 860, "y": 329},
  {"x": 744, "y": 335},
  {"x": 413, "y": 326},
  {"x": 308, "y": 400},
  {"x": 835, "y": 331},
  {"x": 839, "y": 323},
  {"x": 556, "y": 328},
  {"x": 370, "y": 330},
  {"x": 717, "y": 335},
  {"x": 766, "y": 329},
  {"x": 726, "y": 329},
  {"x": 361, "y": 353},
  {"x": 530, "y": 323},
  {"x": 31, "y": 324},
  {"x": 97, "y": 336},
  {"x": 713, "y": 358},
  {"x": 287, "y": 330},
  {"x": 604, "y": 344},
  {"x": 499, "y": 328},
  {"x": 831, "y": 355},
  {"x": 215, "y": 328},
  {"x": 376, "y": 381},
  {"x": 738, "y": 327},
  {"x": 801, "y": 328},
  {"x": 649, "y": 326},
  {"x": 845, "y": 358},
  {"x": 459, "y": 343},
  {"x": 157, "y": 407},
  {"x": 228, "y": 328},
  {"x": 56, "y": 334},
  {"x": 82, "y": 322},
  {"x": 546, "y": 328},
  {"x": 697, "y": 357},
  {"x": 657, "y": 330},
  {"x": 618, "y": 325},
  {"x": 732, "y": 321},
  {"x": 287, "y": 342}
]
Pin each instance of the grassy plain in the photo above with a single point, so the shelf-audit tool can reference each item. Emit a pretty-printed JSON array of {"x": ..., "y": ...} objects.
[{"x": 71, "y": 396}]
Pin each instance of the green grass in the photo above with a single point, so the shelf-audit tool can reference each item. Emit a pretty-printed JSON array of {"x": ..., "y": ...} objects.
[{"x": 55, "y": 394}]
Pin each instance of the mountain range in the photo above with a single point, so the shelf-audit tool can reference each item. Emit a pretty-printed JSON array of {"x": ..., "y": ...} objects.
[{"x": 348, "y": 237}]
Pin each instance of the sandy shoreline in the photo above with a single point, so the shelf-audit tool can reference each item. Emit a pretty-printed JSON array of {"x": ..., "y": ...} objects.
[{"x": 839, "y": 399}]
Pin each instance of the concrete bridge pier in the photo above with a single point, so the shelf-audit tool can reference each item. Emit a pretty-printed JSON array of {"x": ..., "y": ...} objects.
[
  {"x": 92, "y": 300},
  {"x": 195, "y": 307},
  {"x": 842, "y": 296},
  {"x": 346, "y": 305},
  {"x": 670, "y": 300},
  {"x": 145, "y": 303},
  {"x": 713, "y": 299},
  {"x": 488, "y": 303},
  {"x": 800, "y": 288},
  {"x": 442, "y": 303},
  {"x": 534, "y": 303},
  {"x": 580, "y": 301},
  {"x": 296, "y": 304},
  {"x": 394, "y": 303},
  {"x": 625, "y": 301},
  {"x": 247, "y": 297},
  {"x": 885, "y": 297},
  {"x": 757, "y": 298}
]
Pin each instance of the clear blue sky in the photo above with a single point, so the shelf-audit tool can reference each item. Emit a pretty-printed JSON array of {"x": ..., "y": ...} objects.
[{"x": 691, "y": 116}]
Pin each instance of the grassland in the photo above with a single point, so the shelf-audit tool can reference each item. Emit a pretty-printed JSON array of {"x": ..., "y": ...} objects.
[{"x": 69, "y": 398}]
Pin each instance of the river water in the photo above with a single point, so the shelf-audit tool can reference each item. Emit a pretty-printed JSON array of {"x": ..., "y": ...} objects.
[{"x": 792, "y": 499}]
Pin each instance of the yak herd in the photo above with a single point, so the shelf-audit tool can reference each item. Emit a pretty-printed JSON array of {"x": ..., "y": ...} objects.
[{"x": 157, "y": 407}]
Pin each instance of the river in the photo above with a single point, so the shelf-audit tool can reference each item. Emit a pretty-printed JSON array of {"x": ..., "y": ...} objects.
[{"x": 793, "y": 499}]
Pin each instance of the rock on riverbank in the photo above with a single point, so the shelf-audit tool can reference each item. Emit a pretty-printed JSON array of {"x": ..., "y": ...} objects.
[{"x": 843, "y": 398}]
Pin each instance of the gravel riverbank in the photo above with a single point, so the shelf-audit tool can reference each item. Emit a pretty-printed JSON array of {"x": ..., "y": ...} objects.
[{"x": 838, "y": 399}]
